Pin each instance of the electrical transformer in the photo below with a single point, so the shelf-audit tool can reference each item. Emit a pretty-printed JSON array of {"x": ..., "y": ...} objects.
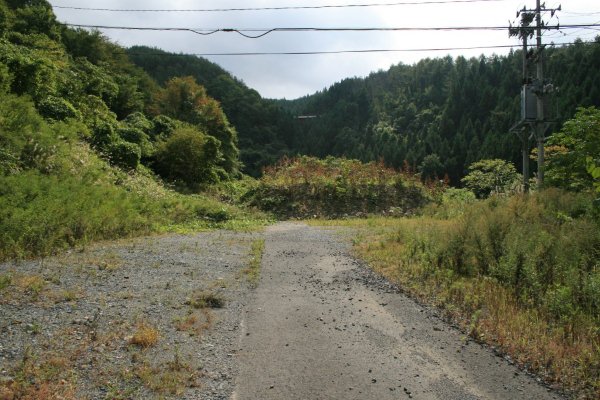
[{"x": 528, "y": 103}]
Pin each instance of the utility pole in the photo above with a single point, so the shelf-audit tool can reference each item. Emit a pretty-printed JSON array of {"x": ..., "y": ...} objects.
[
  {"x": 534, "y": 122},
  {"x": 540, "y": 122}
]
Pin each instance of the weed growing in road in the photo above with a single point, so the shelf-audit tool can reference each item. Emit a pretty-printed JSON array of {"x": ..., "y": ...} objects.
[
  {"x": 5, "y": 280},
  {"x": 172, "y": 378},
  {"x": 145, "y": 336},
  {"x": 256, "y": 253},
  {"x": 204, "y": 299},
  {"x": 193, "y": 323},
  {"x": 45, "y": 376}
]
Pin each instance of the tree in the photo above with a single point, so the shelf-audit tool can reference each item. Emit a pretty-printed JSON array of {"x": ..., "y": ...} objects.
[
  {"x": 189, "y": 156},
  {"x": 491, "y": 176},
  {"x": 571, "y": 151},
  {"x": 186, "y": 100},
  {"x": 431, "y": 168}
]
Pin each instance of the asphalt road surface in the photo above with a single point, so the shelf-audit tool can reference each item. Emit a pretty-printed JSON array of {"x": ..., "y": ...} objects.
[{"x": 321, "y": 326}]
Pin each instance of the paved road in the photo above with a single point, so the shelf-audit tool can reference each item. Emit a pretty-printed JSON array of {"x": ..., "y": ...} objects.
[{"x": 322, "y": 327}]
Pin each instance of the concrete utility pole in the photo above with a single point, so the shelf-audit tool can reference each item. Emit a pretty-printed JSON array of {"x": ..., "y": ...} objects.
[
  {"x": 540, "y": 123},
  {"x": 533, "y": 123}
]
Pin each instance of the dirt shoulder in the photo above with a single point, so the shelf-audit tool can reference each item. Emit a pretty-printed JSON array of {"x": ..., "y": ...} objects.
[{"x": 322, "y": 326}]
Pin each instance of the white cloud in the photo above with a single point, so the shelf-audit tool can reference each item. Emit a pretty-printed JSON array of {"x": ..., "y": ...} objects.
[{"x": 294, "y": 76}]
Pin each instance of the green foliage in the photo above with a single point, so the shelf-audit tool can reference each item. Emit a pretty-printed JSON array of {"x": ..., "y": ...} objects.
[
  {"x": 545, "y": 247},
  {"x": 57, "y": 109},
  {"x": 26, "y": 142},
  {"x": 265, "y": 130},
  {"x": 125, "y": 154},
  {"x": 189, "y": 157},
  {"x": 185, "y": 100},
  {"x": 569, "y": 151},
  {"x": 36, "y": 17},
  {"x": 163, "y": 127},
  {"x": 5, "y": 79},
  {"x": 333, "y": 187},
  {"x": 488, "y": 177},
  {"x": 32, "y": 72},
  {"x": 454, "y": 202},
  {"x": 431, "y": 168}
]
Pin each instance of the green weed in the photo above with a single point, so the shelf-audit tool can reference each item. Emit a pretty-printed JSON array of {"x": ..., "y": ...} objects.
[
  {"x": 204, "y": 299},
  {"x": 252, "y": 272}
]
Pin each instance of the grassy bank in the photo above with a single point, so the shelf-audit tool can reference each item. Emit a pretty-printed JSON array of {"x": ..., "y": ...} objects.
[
  {"x": 57, "y": 192},
  {"x": 521, "y": 274}
]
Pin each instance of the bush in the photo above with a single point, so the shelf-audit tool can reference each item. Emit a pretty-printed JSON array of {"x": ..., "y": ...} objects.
[
  {"x": 544, "y": 247},
  {"x": 308, "y": 187},
  {"x": 486, "y": 177},
  {"x": 125, "y": 155},
  {"x": 57, "y": 109},
  {"x": 41, "y": 214},
  {"x": 189, "y": 157}
]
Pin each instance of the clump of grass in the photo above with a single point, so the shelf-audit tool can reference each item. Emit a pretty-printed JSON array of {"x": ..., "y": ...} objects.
[
  {"x": 252, "y": 272},
  {"x": 6, "y": 280},
  {"x": 145, "y": 336},
  {"x": 46, "y": 377},
  {"x": 194, "y": 324},
  {"x": 172, "y": 378},
  {"x": 31, "y": 283},
  {"x": 203, "y": 299}
]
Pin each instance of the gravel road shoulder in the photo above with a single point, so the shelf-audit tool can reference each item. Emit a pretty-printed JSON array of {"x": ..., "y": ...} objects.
[{"x": 75, "y": 325}]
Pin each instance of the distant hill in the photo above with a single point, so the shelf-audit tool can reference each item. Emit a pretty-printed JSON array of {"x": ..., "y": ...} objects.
[
  {"x": 265, "y": 129},
  {"x": 459, "y": 109}
]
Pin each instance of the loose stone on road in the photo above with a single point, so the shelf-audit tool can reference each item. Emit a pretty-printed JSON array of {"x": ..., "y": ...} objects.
[{"x": 321, "y": 326}]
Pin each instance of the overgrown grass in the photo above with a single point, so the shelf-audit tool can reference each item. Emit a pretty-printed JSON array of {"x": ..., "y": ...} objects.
[
  {"x": 206, "y": 299},
  {"x": 252, "y": 272},
  {"x": 520, "y": 273},
  {"x": 308, "y": 187}
]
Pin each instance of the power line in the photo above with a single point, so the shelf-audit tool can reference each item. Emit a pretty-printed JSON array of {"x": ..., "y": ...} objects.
[
  {"x": 266, "y": 31},
  {"x": 296, "y": 53},
  {"x": 403, "y": 3}
]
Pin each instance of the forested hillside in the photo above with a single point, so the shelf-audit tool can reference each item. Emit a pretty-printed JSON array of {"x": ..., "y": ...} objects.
[
  {"x": 440, "y": 114},
  {"x": 264, "y": 129},
  {"x": 86, "y": 136}
]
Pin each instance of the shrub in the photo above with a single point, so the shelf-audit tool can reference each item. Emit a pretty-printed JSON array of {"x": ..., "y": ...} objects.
[
  {"x": 125, "y": 154},
  {"x": 307, "y": 187},
  {"x": 491, "y": 176},
  {"x": 190, "y": 157},
  {"x": 57, "y": 109}
]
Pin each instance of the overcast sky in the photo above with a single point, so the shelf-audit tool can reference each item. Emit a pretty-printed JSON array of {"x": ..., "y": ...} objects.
[{"x": 292, "y": 76}]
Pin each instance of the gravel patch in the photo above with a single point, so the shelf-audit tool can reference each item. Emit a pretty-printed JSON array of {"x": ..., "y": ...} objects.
[{"x": 122, "y": 320}]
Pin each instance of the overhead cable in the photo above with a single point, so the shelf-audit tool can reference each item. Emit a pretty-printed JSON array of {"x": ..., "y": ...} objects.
[
  {"x": 263, "y": 32},
  {"x": 402, "y": 3},
  {"x": 296, "y": 53}
]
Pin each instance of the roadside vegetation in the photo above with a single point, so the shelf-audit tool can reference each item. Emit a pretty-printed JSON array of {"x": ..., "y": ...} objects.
[
  {"x": 307, "y": 187},
  {"x": 91, "y": 148},
  {"x": 520, "y": 272}
]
